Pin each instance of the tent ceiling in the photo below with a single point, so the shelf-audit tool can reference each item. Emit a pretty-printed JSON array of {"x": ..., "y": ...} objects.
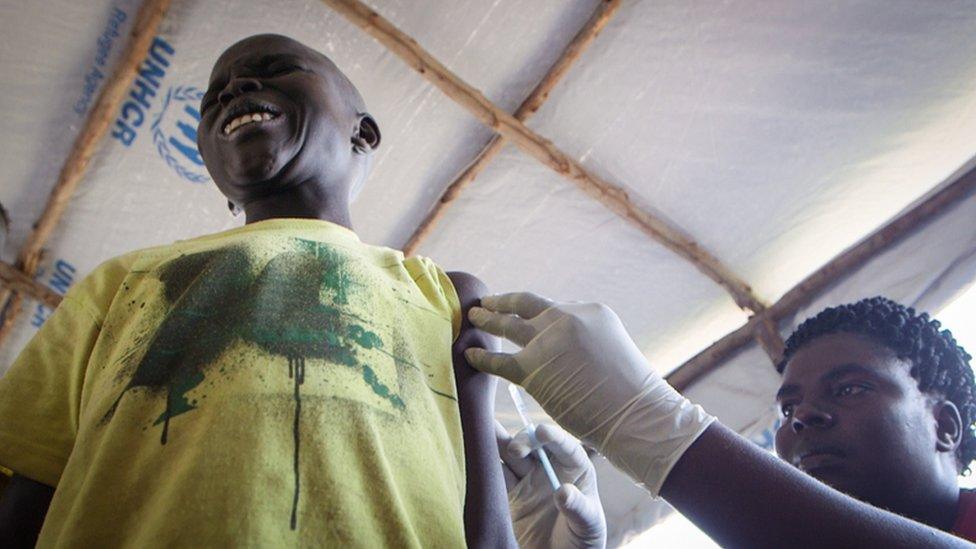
[{"x": 776, "y": 135}]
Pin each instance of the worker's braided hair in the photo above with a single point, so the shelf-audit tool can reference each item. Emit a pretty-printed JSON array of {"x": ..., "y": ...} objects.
[{"x": 940, "y": 365}]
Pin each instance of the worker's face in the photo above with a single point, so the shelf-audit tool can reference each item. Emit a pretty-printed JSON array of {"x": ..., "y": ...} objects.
[
  {"x": 276, "y": 115},
  {"x": 854, "y": 418}
]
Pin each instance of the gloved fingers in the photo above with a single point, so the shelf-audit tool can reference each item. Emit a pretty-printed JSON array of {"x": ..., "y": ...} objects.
[
  {"x": 524, "y": 304},
  {"x": 584, "y": 515},
  {"x": 565, "y": 452},
  {"x": 521, "y": 444},
  {"x": 511, "y": 480},
  {"x": 558, "y": 321},
  {"x": 568, "y": 456},
  {"x": 510, "y": 327},
  {"x": 520, "y": 466},
  {"x": 517, "y": 463},
  {"x": 500, "y": 364},
  {"x": 502, "y": 438}
]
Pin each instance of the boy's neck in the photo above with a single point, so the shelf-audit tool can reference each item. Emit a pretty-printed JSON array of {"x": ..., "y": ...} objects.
[{"x": 304, "y": 201}]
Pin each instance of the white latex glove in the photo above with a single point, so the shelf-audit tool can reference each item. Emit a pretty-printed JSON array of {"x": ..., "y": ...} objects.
[
  {"x": 570, "y": 517},
  {"x": 579, "y": 363}
]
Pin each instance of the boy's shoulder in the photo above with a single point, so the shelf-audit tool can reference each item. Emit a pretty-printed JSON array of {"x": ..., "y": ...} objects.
[
  {"x": 437, "y": 286},
  {"x": 96, "y": 291},
  {"x": 98, "y": 288}
]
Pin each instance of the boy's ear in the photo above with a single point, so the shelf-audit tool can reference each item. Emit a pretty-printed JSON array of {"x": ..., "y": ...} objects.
[
  {"x": 948, "y": 424},
  {"x": 367, "y": 136}
]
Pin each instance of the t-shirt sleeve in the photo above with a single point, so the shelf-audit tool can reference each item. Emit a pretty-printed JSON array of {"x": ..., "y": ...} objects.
[
  {"x": 434, "y": 283},
  {"x": 40, "y": 395},
  {"x": 452, "y": 300}
]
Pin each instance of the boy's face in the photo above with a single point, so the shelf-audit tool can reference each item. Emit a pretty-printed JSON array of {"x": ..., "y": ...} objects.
[
  {"x": 855, "y": 419},
  {"x": 277, "y": 115}
]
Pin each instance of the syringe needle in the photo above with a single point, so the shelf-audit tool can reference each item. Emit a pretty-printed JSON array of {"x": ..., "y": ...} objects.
[{"x": 538, "y": 451}]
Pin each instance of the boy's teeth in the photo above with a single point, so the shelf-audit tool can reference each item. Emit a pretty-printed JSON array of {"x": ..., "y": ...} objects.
[{"x": 247, "y": 119}]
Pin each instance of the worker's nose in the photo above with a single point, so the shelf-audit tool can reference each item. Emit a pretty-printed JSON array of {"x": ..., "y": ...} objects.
[
  {"x": 236, "y": 87},
  {"x": 810, "y": 416}
]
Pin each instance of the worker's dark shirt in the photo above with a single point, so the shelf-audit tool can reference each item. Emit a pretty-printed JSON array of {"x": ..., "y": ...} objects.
[{"x": 965, "y": 525}]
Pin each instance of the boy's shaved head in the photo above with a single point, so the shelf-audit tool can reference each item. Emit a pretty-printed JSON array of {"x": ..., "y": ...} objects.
[{"x": 282, "y": 125}]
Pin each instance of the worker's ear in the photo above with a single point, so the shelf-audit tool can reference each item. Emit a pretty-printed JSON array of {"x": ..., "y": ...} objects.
[{"x": 948, "y": 426}]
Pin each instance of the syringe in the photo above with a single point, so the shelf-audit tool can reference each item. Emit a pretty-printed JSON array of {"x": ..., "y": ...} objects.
[{"x": 538, "y": 451}]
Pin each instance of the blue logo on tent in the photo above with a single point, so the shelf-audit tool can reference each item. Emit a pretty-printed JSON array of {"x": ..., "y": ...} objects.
[
  {"x": 62, "y": 276},
  {"x": 174, "y": 132},
  {"x": 142, "y": 95},
  {"x": 174, "y": 126}
]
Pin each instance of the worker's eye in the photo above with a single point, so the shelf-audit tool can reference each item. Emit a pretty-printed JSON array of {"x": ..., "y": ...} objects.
[
  {"x": 850, "y": 390},
  {"x": 787, "y": 410}
]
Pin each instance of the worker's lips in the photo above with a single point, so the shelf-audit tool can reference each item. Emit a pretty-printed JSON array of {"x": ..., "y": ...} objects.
[{"x": 819, "y": 458}]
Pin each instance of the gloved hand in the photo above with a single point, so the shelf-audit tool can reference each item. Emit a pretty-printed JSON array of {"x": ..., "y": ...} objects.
[
  {"x": 570, "y": 517},
  {"x": 579, "y": 363}
]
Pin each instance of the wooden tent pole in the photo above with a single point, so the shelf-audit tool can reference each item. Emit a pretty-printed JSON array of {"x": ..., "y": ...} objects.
[
  {"x": 767, "y": 336},
  {"x": 601, "y": 16},
  {"x": 16, "y": 281},
  {"x": 707, "y": 360},
  {"x": 144, "y": 29},
  {"x": 618, "y": 199},
  {"x": 823, "y": 278}
]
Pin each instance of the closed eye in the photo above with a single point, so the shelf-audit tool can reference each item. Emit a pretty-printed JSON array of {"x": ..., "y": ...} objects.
[{"x": 279, "y": 69}]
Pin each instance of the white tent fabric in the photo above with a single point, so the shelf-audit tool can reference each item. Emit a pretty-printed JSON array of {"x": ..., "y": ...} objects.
[{"x": 777, "y": 134}]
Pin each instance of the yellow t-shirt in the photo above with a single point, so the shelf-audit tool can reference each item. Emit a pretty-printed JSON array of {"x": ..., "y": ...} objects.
[{"x": 277, "y": 384}]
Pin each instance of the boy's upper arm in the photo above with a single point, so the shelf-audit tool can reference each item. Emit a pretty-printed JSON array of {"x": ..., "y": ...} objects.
[
  {"x": 41, "y": 393},
  {"x": 487, "y": 520},
  {"x": 468, "y": 287},
  {"x": 469, "y": 290}
]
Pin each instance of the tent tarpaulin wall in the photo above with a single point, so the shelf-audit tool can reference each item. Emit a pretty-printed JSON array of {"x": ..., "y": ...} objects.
[{"x": 690, "y": 166}]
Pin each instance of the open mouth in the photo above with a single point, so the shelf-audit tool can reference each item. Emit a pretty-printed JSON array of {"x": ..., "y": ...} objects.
[
  {"x": 245, "y": 119},
  {"x": 248, "y": 113}
]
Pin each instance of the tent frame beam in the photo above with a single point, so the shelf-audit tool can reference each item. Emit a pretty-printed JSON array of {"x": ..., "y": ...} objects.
[
  {"x": 836, "y": 270},
  {"x": 144, "y": 29},
  {"x": 615, "y": 197},
  {"x": 587, "y": 34},
  {"x": 16, "y": 280}
]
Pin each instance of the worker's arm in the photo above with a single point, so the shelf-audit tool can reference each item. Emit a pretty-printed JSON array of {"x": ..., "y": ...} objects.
[
  {"x": 742, "y": 496},
  {"x": 487, "y": 522},
  {"x": 582, "y": 367},
  {"x": 23, "y": 506}
]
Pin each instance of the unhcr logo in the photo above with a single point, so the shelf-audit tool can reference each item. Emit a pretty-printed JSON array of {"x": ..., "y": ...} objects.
[
  {"x": 143, "y": 92},
  {"x": 174, "y": 115},
  {"x": 175, "y": 136},
  {"x": 62, "y": 276}
]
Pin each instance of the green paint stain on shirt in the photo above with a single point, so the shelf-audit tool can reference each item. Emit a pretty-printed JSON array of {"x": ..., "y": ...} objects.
[{"x": 219, "y": 297}]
